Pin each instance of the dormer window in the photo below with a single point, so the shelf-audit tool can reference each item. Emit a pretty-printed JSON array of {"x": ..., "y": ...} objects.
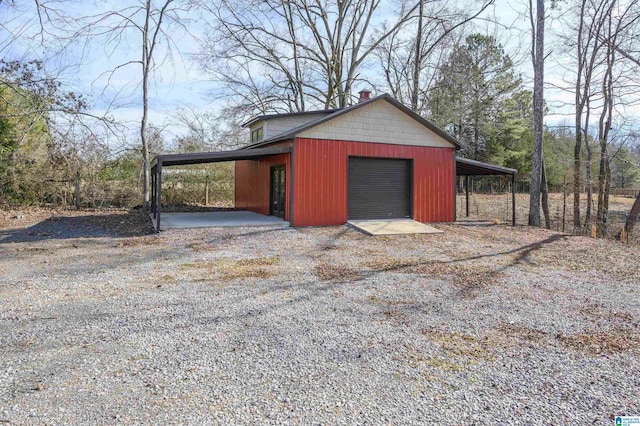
[{"x": 256, "y": 135}]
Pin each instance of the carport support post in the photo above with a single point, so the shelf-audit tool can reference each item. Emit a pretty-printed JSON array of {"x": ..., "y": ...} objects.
[
  {"x": 153, "y": 194},
  {"x": 513, "y": 199},
  {"x": 466, "y": 188},
  {"x": 159, "y": 194}
]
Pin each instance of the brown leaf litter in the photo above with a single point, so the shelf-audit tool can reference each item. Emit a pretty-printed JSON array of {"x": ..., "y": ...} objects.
[{"x": 230, "y": 269}]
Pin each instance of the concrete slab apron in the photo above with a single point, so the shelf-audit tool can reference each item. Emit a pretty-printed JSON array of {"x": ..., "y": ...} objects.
[
  {"x": 218, "y": 219},
  {"x": 392, "y": 227}
]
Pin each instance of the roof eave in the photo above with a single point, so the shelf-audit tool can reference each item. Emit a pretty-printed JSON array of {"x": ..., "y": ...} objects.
[
  {"x": 266, "y": 117},
  {"x": 489, "y": 166}
]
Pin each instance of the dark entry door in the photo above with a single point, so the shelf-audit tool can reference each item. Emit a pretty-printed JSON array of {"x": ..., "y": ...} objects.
[
  {"x": 277, "y": 195},
  {"x": 379, "y": 188}
]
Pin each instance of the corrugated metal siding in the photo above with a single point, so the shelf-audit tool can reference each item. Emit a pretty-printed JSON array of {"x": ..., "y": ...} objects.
[
  {"x": 320, "y": 180},
  {"x": 253, "y": 180}
]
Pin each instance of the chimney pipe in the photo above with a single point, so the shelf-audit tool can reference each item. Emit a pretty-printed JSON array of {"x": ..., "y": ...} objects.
[{"x": 365, "y": 95}]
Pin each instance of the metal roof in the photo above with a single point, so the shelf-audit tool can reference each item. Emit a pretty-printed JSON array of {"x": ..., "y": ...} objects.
[
  {"x": 291, "y": 134},
  {"x": 213, "y": 157},
  {"x": 467, "y": 167}
]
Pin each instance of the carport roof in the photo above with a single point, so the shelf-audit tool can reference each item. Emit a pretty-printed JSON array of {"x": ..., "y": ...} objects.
[
  {"x": 466, "y": 167},
  {"x": 213, "y": 157}
]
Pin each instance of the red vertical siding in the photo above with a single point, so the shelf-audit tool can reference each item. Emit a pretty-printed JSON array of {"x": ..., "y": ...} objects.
[
  {"x": 320, "y": 181},
  {"x": 253, "y": 180}
]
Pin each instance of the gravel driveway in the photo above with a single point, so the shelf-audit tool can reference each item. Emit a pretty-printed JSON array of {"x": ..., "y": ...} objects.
[{"x": 479, "y": 325}]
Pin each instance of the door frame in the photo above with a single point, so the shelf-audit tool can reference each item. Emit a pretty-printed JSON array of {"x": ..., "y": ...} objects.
[{"x": 284, "y": 186}]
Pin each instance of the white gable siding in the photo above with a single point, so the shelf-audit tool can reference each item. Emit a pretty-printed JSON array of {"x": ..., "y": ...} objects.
[{"x": 378, "y": 122}]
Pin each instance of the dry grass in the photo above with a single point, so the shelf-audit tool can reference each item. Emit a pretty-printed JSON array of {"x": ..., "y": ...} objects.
[
  {"x": 458, "y": 352},
  {"x": 497, "y": 208},
  {"x": 598, "y": 312},
  {"x": 202, "y": 247},
  {"x": 417, "y": 359},
  {"x": 583, "y": 254},
  {"x": 229, "y": 269},
  {"x": 618, "y": 339},
  {"x": 372, "y": 298},
  {"x": 140, "y": 241},
  {"x": 167, "y": 280},
  {"x": 336, "y": 273},
  {"x": 384, "y": 263},
  {"x": 467, "y": 278},
  {"x": 463, "y": 345},
  {"x": 512, "y": 331}
]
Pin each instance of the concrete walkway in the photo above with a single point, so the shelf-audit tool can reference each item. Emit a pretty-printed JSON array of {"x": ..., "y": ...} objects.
[
  {"x": 218, "y": 219},
  {"x": 392, "y": 227}
]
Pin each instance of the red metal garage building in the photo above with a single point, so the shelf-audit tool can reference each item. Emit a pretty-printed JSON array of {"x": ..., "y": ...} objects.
[{"x": 374, "y": 160}]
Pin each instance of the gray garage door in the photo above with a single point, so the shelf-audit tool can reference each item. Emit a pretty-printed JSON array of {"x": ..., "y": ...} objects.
[{"x": 379, "y": 188}]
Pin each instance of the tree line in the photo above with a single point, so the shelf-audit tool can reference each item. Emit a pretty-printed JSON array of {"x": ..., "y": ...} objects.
[{"x": 450, "y": 62}]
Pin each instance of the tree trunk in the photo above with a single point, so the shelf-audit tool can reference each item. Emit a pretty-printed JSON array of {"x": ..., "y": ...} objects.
[
  {"x": 604, "y": 126},
  {"x": 145, "y": 111},
  {"x": 538, "y": 112},
  {"x": 581, "y": 96},
  {"x": 206, "y": 190},
  {"x": 415, "y": 90},
  {"x": 589, "y": 184},
  {"x": 577, "y": 227},
  {"x": 600, "y": 213},
  {"x": 632, "y": 219},
  {"x": 78, "y": 189},
  {"x": 607, "y": 189},
  {"x": 564, "y": 201}
]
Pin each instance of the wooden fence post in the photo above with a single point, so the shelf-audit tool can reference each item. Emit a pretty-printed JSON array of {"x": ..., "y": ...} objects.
[
  {"x": 78, "y": 189},
  {"x": 206, "y": 190}
]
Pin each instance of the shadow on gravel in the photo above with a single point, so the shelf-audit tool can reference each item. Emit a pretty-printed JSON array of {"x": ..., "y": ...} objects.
[
  {"x": 114, "y": 225},
  {"x": 523, "y": 254},
  {"x": 233, "y": 234}
]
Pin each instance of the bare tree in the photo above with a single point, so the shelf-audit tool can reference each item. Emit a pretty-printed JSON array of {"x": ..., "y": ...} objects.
[
  {"x": 286, "y": 56},
  {"x": 411, "y": 56},
  {"x": 39, "y": 21},
  {"x": 152, "y": 23},
  {"x": 598, "y": 30},
  {"x": 537, "y": 56},
  {"x": 207, "y": 131},
  {"x": 583, "y": 48},
  {"x": 615, "y": 83},
  {"x": 633, "y": 56},
  {"x": 40, "y": 25}
]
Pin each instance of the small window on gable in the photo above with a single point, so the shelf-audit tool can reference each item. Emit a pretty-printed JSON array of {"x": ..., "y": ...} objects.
[{"x": 256, "y": 135}]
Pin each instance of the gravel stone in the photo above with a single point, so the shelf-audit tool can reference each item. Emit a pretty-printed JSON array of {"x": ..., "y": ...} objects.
[{"x": 479, "y": 325}]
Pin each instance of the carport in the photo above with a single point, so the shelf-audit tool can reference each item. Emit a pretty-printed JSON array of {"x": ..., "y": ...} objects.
[
  {"x": 466, "y": 168},
  {"x": 168, "y": 160}
]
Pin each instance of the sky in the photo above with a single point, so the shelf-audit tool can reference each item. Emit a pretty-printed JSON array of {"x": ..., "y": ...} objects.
[{"x": 179, "y": 82}]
